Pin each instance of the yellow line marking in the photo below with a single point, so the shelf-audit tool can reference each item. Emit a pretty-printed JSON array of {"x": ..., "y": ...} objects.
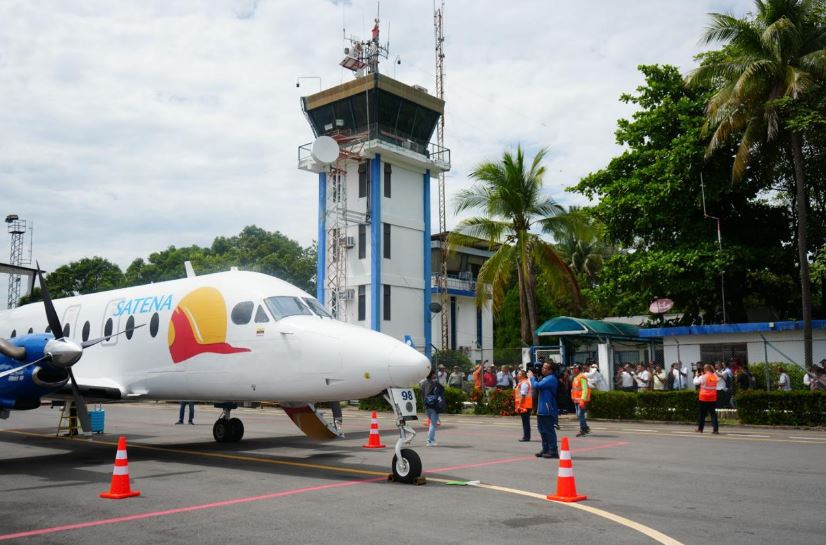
[{"x": 643, "y": 529}]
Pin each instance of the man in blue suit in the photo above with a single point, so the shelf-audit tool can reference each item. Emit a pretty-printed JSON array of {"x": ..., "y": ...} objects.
[{"x": 546, "y": 409}]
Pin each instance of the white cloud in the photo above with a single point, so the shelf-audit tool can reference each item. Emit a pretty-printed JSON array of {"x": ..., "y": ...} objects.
[{"x": 127, "y": 127}]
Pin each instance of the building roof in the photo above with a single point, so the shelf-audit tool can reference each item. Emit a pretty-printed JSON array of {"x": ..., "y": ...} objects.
[
  {"x": 563, "y": 326},
  {"x": 721, "y": 329}
]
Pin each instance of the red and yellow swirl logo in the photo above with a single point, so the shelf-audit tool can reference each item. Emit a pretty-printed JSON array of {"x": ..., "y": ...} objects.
[{"x": 199, "y": 325}]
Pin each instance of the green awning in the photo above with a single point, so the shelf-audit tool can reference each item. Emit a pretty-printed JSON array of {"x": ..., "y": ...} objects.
[{"x": 562, "y": 326}]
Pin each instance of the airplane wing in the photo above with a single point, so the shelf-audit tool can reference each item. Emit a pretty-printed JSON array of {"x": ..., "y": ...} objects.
[
  {"x": 311, "y": 421},
  {"x": 100, "y": 389}
]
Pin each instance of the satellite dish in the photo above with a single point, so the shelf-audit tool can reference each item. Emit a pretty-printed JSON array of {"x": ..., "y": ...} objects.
[
  {"x": 660, "y": 306},
  {"x": 435, "y": 307},
  {"x": 325, "y": 150}
]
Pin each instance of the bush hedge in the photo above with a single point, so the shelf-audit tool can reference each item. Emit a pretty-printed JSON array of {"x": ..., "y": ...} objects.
[
  {"x": 795, "y": 373},
  {"x": 782, "y": 408},
  {"x": 496, "y": 402},
  {"x": 454, "y": 396}
]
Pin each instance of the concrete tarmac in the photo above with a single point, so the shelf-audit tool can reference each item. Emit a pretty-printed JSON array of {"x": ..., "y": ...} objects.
[{"x": 646, "y": 483}]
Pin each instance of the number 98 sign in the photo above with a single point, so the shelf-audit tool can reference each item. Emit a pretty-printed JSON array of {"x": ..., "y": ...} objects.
[{"x": 405, "y": 400}]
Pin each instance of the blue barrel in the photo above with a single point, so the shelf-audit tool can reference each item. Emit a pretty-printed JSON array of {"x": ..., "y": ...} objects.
[{"x": 96, "y": 420}]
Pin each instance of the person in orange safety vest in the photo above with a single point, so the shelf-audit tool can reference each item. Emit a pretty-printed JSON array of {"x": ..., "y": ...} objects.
[
  {"x": 581, "y": 395},
  {"x": 523, "y": 403},
  {"x": 707, "y": 398}
]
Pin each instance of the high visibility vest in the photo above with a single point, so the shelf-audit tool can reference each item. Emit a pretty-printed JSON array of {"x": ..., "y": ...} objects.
[
  {"x": 708, "y": 388},
  {"x": 579, "y": 389},
  {"x": 517, "y": 399}
]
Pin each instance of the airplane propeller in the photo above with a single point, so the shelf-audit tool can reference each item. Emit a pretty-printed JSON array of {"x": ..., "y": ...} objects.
[{"x": 59, "y": 352}]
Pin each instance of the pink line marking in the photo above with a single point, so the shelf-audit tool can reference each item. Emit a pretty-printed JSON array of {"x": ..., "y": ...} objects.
[
  {"x": 523, "y": 458},
  {"x": 167, "y": 512}
]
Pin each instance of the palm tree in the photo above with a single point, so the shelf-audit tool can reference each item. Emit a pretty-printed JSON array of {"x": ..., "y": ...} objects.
[
  {"x": 768, "y": 63},
  {"x": 509, "y": 193},
  {"x": 579, "y": 243}
]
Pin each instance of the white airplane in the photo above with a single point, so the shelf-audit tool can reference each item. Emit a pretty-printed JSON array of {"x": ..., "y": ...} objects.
[{"x": 226, "y": 337}]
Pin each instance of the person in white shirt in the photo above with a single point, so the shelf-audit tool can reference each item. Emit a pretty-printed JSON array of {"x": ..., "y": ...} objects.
[
  {"x": 595, "y": 379},
  {"x": 643, "y": 378},
  {"x": 678, "y": 376},
  {"x": 627, "y": 379},
  {"x": 784, "y": 383},
  {"x": 659, "y": 378}
]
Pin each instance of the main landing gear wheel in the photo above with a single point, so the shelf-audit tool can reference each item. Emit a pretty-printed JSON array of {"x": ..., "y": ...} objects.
[
  {"x": 228, "y": 430},
  {"x": 408, "y": 468}
]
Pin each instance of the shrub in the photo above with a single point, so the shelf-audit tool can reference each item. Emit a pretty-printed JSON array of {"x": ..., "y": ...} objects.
[
  {"x": 498, "y": 402},
  {"x": 782, "y": 408},
  {"x": 794, "y": 371},
  {"x": 449, "y": 358},
  {"x": 677, "y": 406},
  {"x": 618, "y": 405}
]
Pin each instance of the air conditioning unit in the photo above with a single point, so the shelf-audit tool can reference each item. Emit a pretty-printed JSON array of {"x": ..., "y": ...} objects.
[
  {"x": 348, "y": 242},
  {"x": 346, "y": 295}
]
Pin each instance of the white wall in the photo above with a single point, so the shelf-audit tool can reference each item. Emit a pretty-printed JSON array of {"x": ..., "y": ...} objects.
[{"x": 789, "y": 343}]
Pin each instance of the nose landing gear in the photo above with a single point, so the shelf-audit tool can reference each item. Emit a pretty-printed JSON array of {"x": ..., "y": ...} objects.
[
  {"x": 227, "y": 429},
  {"x": 407, "y": 466}
]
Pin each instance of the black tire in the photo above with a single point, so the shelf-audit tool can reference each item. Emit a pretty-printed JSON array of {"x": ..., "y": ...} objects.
[
  {"x": 236, "y": 428},
  {"x": 409, "y": 468},
  {"x": 221, "y": 430}
]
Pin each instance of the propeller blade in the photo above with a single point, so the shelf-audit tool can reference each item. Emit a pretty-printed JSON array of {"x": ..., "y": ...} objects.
[
  {"x": 8, "y": 372},
  {"x": 51, "y": 313},
  {"x": 93, "y": 342},
  {"x": 80, "y": 404}
]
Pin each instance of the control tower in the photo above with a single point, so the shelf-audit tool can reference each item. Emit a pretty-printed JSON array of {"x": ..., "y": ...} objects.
[{"x": 374, "y": 161}]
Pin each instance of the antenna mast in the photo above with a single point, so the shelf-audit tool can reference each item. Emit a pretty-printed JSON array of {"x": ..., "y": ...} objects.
[
  {"x": 440, "y": 138},
  {"x": 719, "y": 246}
]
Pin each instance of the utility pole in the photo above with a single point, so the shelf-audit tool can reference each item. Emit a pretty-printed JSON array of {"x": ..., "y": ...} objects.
[
  {"x": 440, "y": 140},
  {"x": 719, "y": 246}
]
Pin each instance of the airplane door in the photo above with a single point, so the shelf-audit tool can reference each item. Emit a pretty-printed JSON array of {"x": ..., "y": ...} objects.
[
  {"x": 110, "y": 323},
  {"x": 69, "y": 321}
]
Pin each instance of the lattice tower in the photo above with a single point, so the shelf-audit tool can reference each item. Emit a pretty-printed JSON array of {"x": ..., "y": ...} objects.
[
  {"x": 440, "y": 137},
  {"x": 17, "y": 230}
]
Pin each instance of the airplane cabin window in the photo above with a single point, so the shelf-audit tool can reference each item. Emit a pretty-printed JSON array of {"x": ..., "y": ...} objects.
[
  {"x": 153, "y": 324},
  {"x": 316, "y": 307},
  {"x": 31, "y": 330},
  {"x": 107, "y": 329},
  {"x": 13, "y": 333},
  {"x": 242, "y": 312},
  {"x": 283, "y": 306},
  {"x": 130, "y": 327},
  {"x": 261, "y": 316},
  {"x": 66, "y": 330},
  {"x": 86, "y": 330}
]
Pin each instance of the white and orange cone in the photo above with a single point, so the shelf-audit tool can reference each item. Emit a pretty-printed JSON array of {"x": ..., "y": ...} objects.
[
  {"x": 120, "y": 487},
  {"x": 374, "y": 440},
  {"x": 565, "y": 482}
]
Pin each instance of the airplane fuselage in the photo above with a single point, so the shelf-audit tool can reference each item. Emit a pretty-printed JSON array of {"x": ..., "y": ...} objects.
[{"x": 237, "y": 336}]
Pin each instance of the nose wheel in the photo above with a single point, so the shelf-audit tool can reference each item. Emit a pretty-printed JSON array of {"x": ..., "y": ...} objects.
[{"x": 407, "y": 465}]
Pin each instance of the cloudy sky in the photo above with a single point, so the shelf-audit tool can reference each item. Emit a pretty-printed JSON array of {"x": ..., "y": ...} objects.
[{"x": 130, "y": 126}]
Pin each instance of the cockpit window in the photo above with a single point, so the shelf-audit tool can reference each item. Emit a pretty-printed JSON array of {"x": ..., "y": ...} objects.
[
  {"x": 242, "y": 312},
  {"x": 261, "y": 316},
  {"x": 283, "y": 306},
  {"x": 316, "y": 307}
]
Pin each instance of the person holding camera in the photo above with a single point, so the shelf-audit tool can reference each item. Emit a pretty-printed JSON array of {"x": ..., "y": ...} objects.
[{"x": 546, "y": 411}]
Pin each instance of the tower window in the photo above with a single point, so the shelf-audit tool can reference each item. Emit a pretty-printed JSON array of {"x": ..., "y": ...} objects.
[
  {"x": 363, "y": 180},
  {"x": 388, "y": 170},
  {"x": 386, "y": 302},
  {"x": 362, "y": 304},
  {"x": 386, "y": 240},
  {"x": 362, "y": 241}
]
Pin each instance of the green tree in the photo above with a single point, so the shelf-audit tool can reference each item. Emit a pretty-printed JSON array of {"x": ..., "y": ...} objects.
[
  {"x": 87, "y": 275},
  {"x": 651, "y": 207},
  {"x": 582, "y": 245},
  {"x": 509, "y": 192},
  {"x": 778, "y": 54}
]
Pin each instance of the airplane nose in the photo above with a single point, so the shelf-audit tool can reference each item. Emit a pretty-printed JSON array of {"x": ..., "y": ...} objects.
[{"x": 407, "y": 366}]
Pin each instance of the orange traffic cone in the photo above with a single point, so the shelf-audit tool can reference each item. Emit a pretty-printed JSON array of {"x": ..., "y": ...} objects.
[
  {"x": 120, "y": 476},
  {"x": 375, "y": 439},
  {"x": 565, "y": 482}
]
